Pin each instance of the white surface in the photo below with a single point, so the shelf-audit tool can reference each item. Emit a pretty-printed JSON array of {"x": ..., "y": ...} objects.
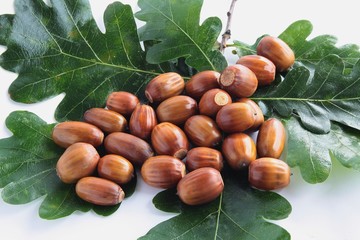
[{"x": 327, "y": 211}]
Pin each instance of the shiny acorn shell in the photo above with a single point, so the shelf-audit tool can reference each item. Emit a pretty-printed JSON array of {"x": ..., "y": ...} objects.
[
  {"x": 142, "y": 121},
  {"x": 212, "y": 101},
  {"x": 199, "y": 157},
  {"x": 107, "y": 120},
  {"x": 202, "y": 82},
  {"x": 259, "y": 116},
  {"x": 122, "y": 102},
  {"x": 115, "y": 168}
]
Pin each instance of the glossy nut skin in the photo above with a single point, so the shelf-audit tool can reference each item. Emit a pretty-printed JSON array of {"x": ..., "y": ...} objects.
[
  {"x": 78, "y": 160},
  {"x": 199, "y": 157},
  {"x": 200, "y": 186},
  {"x": 269, "y": 174},
  {"x": 99, "y": 191},
  {"x": 235, "y": 117},
  {"x": 107, "y": 120},
  {"x": 212, "y": 101},
  {"x": 202, "y": 131},
  {"x": 239, "y": 150},
  {"x": 201, "y": 82},
  {"x": 271, "y": 138},
  {"x": 115, "y": 168},
  {"x": 134, "y": 149},
  {"x": 259, "y": 116},
  {"x": 263, "y": 68},
  {"x": 122, "y": 102},
  {"x": 164, "y": 86},
  {"x": 176, "y": 109},
  {"x": 277, "y": 51},
  {"x": 142, "y": 121},
  {"x": 65, "y": 134},
  {"x": 163, "y": 171},
  {"x": 169, "y": 139},
  {"x": 238, "y": 80}
]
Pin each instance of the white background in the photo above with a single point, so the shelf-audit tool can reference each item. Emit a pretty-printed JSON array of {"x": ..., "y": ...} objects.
[{"x": 327, "y": 211}]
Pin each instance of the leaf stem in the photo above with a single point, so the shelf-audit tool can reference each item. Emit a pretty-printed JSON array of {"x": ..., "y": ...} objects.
[{"x": 227, "y": 34}]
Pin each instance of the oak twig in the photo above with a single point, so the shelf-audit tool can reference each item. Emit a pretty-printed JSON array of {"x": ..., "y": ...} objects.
[{"x": 227, "y": 34}]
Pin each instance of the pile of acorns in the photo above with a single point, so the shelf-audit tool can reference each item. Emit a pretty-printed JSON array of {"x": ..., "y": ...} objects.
[{"x": 176, "y": 138}]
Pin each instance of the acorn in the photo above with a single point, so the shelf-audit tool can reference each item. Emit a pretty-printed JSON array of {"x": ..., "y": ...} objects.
[
  {"x": 67, "y": 133},
  {"x": 163, "y": 171},
  {"x": 115, "y": 168},
  {"x": 263, "y": 68},
  {"x": 200, "y": 186},
  {"x": 277, "y": 51},
  {"x": 176, "y": 109},
  {"x": 212, "y": 101},
  {"x": 164, "y": 86},
  {"x": 133, "y": 148},
  {"x": 269, "y": 174},
  {"x": 79, "y": 160},
  {"x": 202, "y": 131},
  {"x": 99, "y": 191},
  {"x": 169, "y": 139},
  {"x": 199, "y": 157},
  {"x": 239, "y": 150},
  {"x": 235, "y": 117},
  {"x": 271, "y": 138},
  {"x": 142, "y": 121},
  {"x": 201, "y": 82},
  {"x": 259, "y": 116},
  {"x": 122, "y": 102},
  {"x": 107, "y": 120},
  {"x": 238, "y": 80}
]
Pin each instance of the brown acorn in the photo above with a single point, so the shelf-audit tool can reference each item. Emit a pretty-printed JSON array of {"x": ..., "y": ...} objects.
[
  {"x": 271, "y": 139},
  {"x": 202, "y": 131},
  {"x": 164, "y": 86},
  {"x": 235, "y": 117},
  {"x": 238, "y": 81},
  {"x": 169, "y": 139},
  {"x": 107, "y": 120},
  {"x": 176, "y": 109},
  {"x": 212, "y": 101},
  {"x": 200, "y": 186},
  {"x": 115, "y": 168},
  {"x": 269, "y": 174},
  {"x": 133, "y": 148},
  {"x": 122, "y": 102},
  {"x": 201, "y": 82},
  {"x": 163, "y": 171},
  {"x": 79, "y": 160},
  {"x": 99, "y": 191},
  {"x": 142, "y": 121},
  {"x": 199, "y": 157},
  {"x": 67, "y": 133},
  {"x": 263, "y": 68},
  {"x": 259, "y": 116},
  {"x": 277, "y": 51},
  {"x": 239, "y": 150}
]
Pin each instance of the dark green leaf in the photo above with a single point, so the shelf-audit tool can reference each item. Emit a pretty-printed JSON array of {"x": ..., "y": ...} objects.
[
  {"x": 175, "y": 25},
  {"x": 5, "y": 27},
  {"x": 240, "y": 212}
]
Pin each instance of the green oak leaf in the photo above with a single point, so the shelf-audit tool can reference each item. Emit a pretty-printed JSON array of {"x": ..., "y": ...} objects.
[
  {"x": 27, "y": 170},
  {"x": 239, "y": 211},
  {"x": 175, "y": 26}
]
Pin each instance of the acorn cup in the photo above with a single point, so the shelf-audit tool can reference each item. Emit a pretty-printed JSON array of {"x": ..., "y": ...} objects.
[
  {"x": 199, "y": 157},
  {"x": 202, "y": 82},
  {"x": 212, "y": 101},
  {"x": 142, "y": 121},
  {"x": 107, "y": 120},
  {"x": 122, "y": 102}
]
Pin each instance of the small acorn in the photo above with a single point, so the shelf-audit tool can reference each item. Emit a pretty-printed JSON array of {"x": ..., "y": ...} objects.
[
  {"x": 176, "y": 109},
  {"x": 142, "y": 121},
  {"x": 259, "y": 116},
  {"x": 201, "y": 82},
  {"x": 163, "y": 171},
  {"x": 200, "y": 186},
  {"x": 202, "y": 131},
  {"x": 169, "y": 139},
  {"x": 277, "y": 51},
  {"x": 79, "y": 160},
  {"x": 164, "y": 86},
  {"x": 107, "y": 120},
  {"x": 212, "y": 101},
  {"x": 263, "y": 68},
  {"x": 271, "y": 138},
  {"x": 67, "y": 133},
  {"x": 238, "y": 80},
  {"x": 99, "y": 191},
  {"x": 269, "y": 174},
  {"x": 199, "y": 157},
  {"x": 122, "y": 102},
  {"x": 115, "y": 168}
]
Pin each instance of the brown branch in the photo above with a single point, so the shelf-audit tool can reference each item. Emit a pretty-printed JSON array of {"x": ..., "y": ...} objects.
[{"x": 227, "y": 34}]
